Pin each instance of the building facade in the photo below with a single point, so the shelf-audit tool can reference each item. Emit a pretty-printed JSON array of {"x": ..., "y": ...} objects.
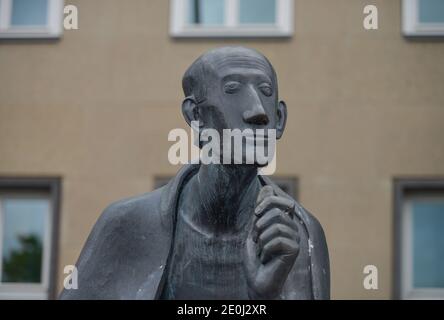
[{"x": 85, "y": 116}]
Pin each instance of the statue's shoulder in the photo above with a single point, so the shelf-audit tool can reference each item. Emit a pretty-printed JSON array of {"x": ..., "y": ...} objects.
[
  {"x": 140, "y": 207},
  {"x": 122, "y": 226},
  {"x": 140, "y": 216},
  {"x": 127, "y": 236},
  {"x": 125, "y": 220}
]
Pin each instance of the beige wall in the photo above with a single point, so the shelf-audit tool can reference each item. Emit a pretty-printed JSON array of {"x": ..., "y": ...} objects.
[{"x": 364, "y": 106}]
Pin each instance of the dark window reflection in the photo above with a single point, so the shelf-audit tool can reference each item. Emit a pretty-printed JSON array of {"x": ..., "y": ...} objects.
[
  {"x": 206, "y": 12},
  {"x": 24, "y": 224}
]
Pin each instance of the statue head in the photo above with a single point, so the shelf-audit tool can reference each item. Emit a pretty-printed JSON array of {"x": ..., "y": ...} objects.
[{"x": 233, "y": 88}]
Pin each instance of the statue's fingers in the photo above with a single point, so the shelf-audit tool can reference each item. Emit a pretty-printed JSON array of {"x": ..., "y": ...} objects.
[
  {"x": 278, "y": 269},
  {"x": 264, "y": 221},
  {"x": 273, "y": 216},
  {"x": 274, "y": 202},
  {"x": 276, "y": 231},
  {"x": 284, "y": 248}
]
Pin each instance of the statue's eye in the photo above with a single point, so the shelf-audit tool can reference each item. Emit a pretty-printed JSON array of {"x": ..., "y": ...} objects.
[
  {"x": 231, "y": 87},
  {"x": 266, "y": 89}
]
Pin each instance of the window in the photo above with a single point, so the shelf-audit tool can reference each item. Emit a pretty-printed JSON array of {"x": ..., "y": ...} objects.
[
  {"x": 423, "y": 17},
  {"x": 28, "y": 225},
  {"x": 419, "y": 220},
  {"x": 231, "y": 18},
  {"x": 31, "y": 18}
]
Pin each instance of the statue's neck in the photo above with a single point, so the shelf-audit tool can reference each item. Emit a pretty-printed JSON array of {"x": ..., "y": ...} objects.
[{"x": 225, "y": 197}]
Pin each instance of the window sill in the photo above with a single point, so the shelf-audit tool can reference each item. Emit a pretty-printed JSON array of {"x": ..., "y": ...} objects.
[
  {"x": 30, "y": 33},
  {"x": 224, "y": 32},
  {"x": 423, "y": 31}
]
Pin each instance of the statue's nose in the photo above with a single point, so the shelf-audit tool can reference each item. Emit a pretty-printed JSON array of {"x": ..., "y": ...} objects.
[{"x": 256, "y": 113}]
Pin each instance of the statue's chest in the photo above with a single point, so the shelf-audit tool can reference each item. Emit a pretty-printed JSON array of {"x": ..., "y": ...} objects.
[{"x": 203, "y": 267}]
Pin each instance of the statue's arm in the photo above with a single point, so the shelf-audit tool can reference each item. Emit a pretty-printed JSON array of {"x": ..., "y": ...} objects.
[
  {"x": 93, "y": 265},
  {"x": 320, "y": 261}
]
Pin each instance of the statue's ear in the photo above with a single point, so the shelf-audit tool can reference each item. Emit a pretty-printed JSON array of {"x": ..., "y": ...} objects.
[
  {"x": 190, "y": 110},
  {"x": 281, "y": 119}
]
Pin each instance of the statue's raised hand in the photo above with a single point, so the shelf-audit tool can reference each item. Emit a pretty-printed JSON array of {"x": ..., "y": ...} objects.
[{"x": 272, "y": 245}]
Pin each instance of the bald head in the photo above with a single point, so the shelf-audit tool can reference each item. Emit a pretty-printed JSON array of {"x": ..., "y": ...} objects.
[{"x": 216, "y": 61}]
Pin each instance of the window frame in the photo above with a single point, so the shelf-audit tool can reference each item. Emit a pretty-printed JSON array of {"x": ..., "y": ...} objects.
[
  {"x": 35, "y": 188},
  {"x": 232, "y": 29},
  {"x": 411, "y": 26},
  {"x": 53, "y": 28},
  {"x": 405, "y": 191}
]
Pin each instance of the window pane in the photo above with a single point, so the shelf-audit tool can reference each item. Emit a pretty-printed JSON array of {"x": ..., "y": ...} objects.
[
  {"x": 29, "y": 12},
  {"x": 431, "y": 11},
  {"x": 24, "y": 223},
  {"x": 209, "y": 12},
  {"x": 257, "y": 11},
  {"x": 428, "y": 244}
]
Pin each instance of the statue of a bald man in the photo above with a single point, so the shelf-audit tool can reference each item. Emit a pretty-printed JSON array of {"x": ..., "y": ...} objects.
[{"x": 215, "y": 231}]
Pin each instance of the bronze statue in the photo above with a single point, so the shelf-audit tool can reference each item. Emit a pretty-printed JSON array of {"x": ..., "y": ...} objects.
[{"x": 215, "y": 231}]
